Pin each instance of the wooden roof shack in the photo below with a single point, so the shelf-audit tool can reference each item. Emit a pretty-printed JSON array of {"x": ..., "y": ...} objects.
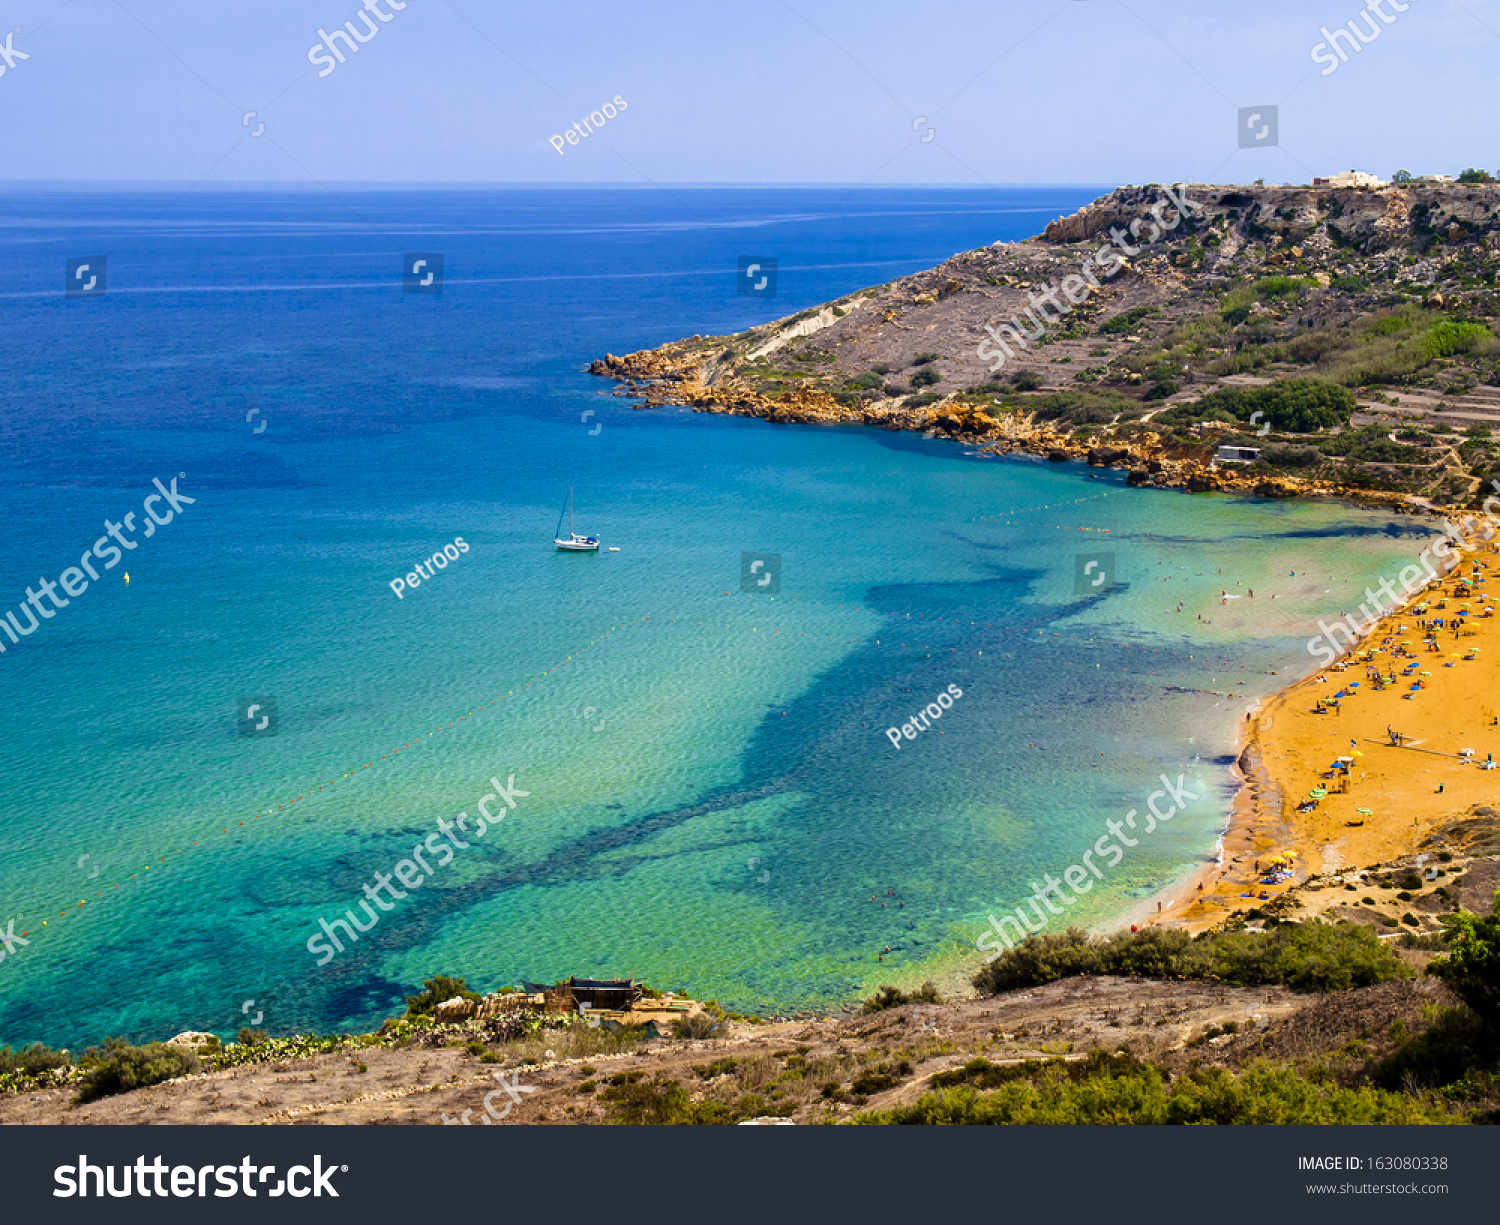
[{"x": 613, "y": 994}]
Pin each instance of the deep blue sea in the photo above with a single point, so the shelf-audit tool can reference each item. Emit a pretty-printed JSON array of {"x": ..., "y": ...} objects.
[{"x": 710, "y": 800}]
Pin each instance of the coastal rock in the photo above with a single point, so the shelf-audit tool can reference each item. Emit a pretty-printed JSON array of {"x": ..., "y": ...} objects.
[
  {"x": 497, "y": 1004},
  {"x": 193, "y": 1039},
  {"x": 456, "y": 1009},
  {"x": 1275, "y": 489},
  {"x": 1138, "y": 476},
  {"x": 1058, "y": 457}
]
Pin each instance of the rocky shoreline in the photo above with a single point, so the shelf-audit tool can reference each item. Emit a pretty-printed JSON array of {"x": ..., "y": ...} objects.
[
  {"x": 679, "y": 374},
  {"x": 1341, "y": 297}
]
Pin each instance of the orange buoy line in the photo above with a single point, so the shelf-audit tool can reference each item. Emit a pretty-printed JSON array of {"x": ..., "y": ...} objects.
[
  {"x": 99, "y": 894},
  {"x": 1009, "y": 515}
]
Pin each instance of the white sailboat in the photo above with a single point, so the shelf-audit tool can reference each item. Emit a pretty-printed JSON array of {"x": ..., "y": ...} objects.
[{"x": 573, "y": 542}]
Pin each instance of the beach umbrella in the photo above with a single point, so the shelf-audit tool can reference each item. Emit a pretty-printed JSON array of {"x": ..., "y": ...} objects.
[
  {"x": 1356, "y": 753},
  {"x": 1424, "y": 673}
]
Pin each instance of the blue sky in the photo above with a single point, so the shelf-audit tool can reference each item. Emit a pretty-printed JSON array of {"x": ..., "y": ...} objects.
[{"x": 811, "y": 91}]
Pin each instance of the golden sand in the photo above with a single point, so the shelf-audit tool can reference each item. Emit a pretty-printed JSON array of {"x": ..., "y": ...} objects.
[{"x": 1408, "y": 790}]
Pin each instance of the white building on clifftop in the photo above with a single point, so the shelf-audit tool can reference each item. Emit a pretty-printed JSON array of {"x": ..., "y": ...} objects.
[{"x": 1351, "y": 178}]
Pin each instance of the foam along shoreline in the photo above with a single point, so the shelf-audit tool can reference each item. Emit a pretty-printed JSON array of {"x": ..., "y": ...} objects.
[{"x": 1398, "y": 795}]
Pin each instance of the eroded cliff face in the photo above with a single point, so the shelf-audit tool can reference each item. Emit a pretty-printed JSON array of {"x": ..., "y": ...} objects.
[{"x": 1367, "y": 220}]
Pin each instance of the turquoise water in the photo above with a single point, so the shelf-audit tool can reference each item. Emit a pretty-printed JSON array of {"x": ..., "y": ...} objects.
[{"x": 713, "y": 801}]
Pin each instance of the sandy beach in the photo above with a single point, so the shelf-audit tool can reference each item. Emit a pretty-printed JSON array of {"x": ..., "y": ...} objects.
[{"x": 1397, "y": 794}]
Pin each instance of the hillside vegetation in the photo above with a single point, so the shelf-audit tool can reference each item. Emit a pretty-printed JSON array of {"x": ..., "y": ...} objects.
[{"x": 1313, "y": 324}]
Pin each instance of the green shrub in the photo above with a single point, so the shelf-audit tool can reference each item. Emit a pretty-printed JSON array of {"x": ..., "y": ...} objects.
[
  {"x": 1085, "y": 407},
  {"x": 1125, "y": 320},
  {"x": 252, "y": 1037},
  {"x": 1161, "y": 390},
  {"x": 1026, "y": 380},
  {"x": 1445, "y": 1054},
  {"x": 1371, "y": 444},
  {"x": 923, "y": 359},
  {"x": 1349, "y": 284},
  {"x": 1291, "y": 457},
  {"x": 438, "y": 990},
  {"x": 879, "y": 1078},
  {"x": 1450, "y": 336},
  {"x": 659, "y": 1102},
  {"x": 1472, "y": 967},
  {"x": 696, "y": 1027},
  {"x": 1137, "y": 1093},
  {"x": 32, "y": 1060},
  {"x": 1300, "y": 406},
  {"x": 892, "y": 997},
  {"x": 925, "y": 377},
  {"x": 865, "y": 382},
  {"x": 118, "y": 1067},
  {"x": 1307, "y": 957}
]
